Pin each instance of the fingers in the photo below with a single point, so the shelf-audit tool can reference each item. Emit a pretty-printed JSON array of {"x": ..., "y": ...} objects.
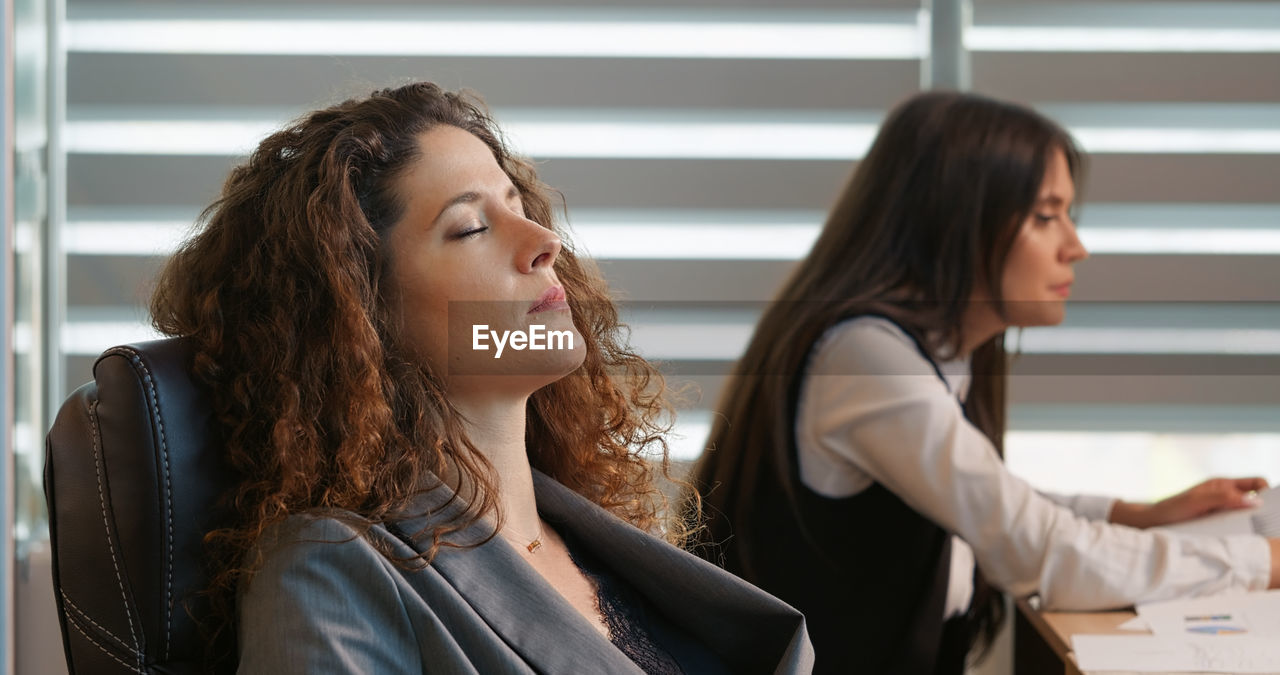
[
  {"x": 1250, "y": 484},
  {"x": 1215, "y": 494},
  {"x": 1229, "y": 493},
  {"x": 1242, "y": 492},
  {"x": 1275, "y": 563}
]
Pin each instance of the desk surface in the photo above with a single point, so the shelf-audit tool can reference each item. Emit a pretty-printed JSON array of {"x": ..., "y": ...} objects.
[
  {"x": 1066, "y": 624},
  {"x": 1043, "y": 639}
]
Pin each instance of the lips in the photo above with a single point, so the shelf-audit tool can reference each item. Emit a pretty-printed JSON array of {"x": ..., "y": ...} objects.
[
  {"x": 1062, "y": 290},
  {"x": 551, "y": 299}
]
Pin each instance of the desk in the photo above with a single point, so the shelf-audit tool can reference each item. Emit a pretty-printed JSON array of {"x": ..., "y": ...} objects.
[{"x": 1042, "y": 640}]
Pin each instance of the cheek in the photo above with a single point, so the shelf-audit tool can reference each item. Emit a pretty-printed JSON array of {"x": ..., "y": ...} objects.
[
  {"x": 1013, "y": 284},
  {"x": 1028, "y": 302},
  {"x": 1026, "y": 269},
  {"x": 421, "y": 315}
]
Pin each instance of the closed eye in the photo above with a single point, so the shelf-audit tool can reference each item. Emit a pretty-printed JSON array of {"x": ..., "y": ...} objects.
[{"x": 471, "y": 231}]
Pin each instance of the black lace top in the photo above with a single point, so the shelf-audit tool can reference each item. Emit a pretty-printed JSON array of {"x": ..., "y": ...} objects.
[{"x": 636, "y": 628}]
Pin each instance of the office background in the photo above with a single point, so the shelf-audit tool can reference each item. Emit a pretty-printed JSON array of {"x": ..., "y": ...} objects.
[{"x": 697, "y": 144}]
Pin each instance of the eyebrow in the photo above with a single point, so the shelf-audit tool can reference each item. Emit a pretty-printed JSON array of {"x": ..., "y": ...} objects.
[
  {"x": 514, "y": 193},
  {"x": 469, "y": 197},
  {"x": 1051, "y": 200}
]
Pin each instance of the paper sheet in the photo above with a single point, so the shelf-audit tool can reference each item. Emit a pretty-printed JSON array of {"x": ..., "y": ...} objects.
[
  {"x": 1153, "y": 654},
  {"x": 1136, "y": 623},
  {"x": 1243, "y": 614}
]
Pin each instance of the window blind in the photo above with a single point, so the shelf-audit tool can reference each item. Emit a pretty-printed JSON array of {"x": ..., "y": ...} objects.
[{"x": 698, "y": 146}]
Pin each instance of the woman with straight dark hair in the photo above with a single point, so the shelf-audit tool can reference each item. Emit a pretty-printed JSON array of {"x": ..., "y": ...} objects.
[
  {"x": 855, "y": 470},
  {"x": 412, "y": 500}
]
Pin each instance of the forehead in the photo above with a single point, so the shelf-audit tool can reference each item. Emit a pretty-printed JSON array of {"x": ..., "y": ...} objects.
[
  {"x": 451, "y": 161},
  {"x": 1057, "y": 182}
]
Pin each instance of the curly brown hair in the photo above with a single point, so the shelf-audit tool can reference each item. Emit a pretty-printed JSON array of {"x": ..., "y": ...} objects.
[{"x": 283, "y": 293}]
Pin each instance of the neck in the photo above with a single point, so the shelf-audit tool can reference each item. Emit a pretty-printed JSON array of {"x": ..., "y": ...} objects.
[
  {"x": 980, "y": 323},
  {"x": 496, "y": 426}
]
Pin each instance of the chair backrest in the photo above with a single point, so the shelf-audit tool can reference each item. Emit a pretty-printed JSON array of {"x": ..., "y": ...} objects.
[{"x": 132, "y": 477}]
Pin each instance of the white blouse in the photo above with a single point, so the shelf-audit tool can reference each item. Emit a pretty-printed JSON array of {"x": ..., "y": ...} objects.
[{"x": 872, "y": 409}]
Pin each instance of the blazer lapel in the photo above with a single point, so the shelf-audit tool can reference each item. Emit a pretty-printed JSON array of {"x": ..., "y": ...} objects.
[
  {"x": 514, "y": 600},
  {"x": 750, "y": 629}
]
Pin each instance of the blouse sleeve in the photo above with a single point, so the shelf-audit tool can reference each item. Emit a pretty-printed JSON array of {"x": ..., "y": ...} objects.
[
  {"x": 1090, "y": 507},
  {"x": 872, "y": 401}
]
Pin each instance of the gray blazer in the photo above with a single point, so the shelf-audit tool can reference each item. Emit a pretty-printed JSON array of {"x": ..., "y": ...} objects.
[{"x": 326, "y": 601}]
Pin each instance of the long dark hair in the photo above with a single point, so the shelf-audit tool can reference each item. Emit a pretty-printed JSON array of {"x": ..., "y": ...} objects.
[
  {"x": 928, "y": 216},
  {"x": 283, "y": 294}
]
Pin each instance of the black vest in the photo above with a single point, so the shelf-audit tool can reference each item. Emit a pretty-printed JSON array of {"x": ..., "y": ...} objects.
[{"x": 869, "y": 573}]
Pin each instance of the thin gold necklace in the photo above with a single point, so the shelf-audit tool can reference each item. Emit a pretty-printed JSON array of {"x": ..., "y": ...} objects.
[{"x": 534, "y": 544}]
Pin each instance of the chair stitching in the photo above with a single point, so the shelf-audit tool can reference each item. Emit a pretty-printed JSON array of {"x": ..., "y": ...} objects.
[
  {"x": 168, "y": 496},
  {"x": 106, "y": 523},
  {"x": 121, "y": 643},
  {"x": 136, "y": 666}
]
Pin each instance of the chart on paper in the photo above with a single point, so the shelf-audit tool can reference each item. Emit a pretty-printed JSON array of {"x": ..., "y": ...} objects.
[{"x": 1252, "y": 614}]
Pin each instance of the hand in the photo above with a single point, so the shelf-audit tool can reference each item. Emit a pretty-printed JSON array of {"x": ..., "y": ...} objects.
[
  {"x": 1275, "y": 563},
  {"x": 1216, "y": 494}
]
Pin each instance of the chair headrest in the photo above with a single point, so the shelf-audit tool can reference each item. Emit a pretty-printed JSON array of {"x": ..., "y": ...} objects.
[{"x": 133, "y": 474}]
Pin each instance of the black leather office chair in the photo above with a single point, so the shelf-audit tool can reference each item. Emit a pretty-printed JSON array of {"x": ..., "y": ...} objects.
[{"x": 132, "y": 477}]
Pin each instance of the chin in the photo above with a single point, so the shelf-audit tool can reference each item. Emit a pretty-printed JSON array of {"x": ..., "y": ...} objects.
[
  {"x": 542, "y": 367},
  {"x": 1032, "y": 314},
  {"x": 559, "y": 364},
  {"x": 531, "y": 377}
]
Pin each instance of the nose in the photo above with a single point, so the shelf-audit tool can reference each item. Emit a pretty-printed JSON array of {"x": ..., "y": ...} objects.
[
  {"x": 1073, "y": 249},
  {"x": 541, "y": 248}
]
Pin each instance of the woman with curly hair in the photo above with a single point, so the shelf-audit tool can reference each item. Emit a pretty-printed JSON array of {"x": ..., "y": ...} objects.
[
  {"x": 856, "y": 468},
  {"x": 423, "y": 489}
]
